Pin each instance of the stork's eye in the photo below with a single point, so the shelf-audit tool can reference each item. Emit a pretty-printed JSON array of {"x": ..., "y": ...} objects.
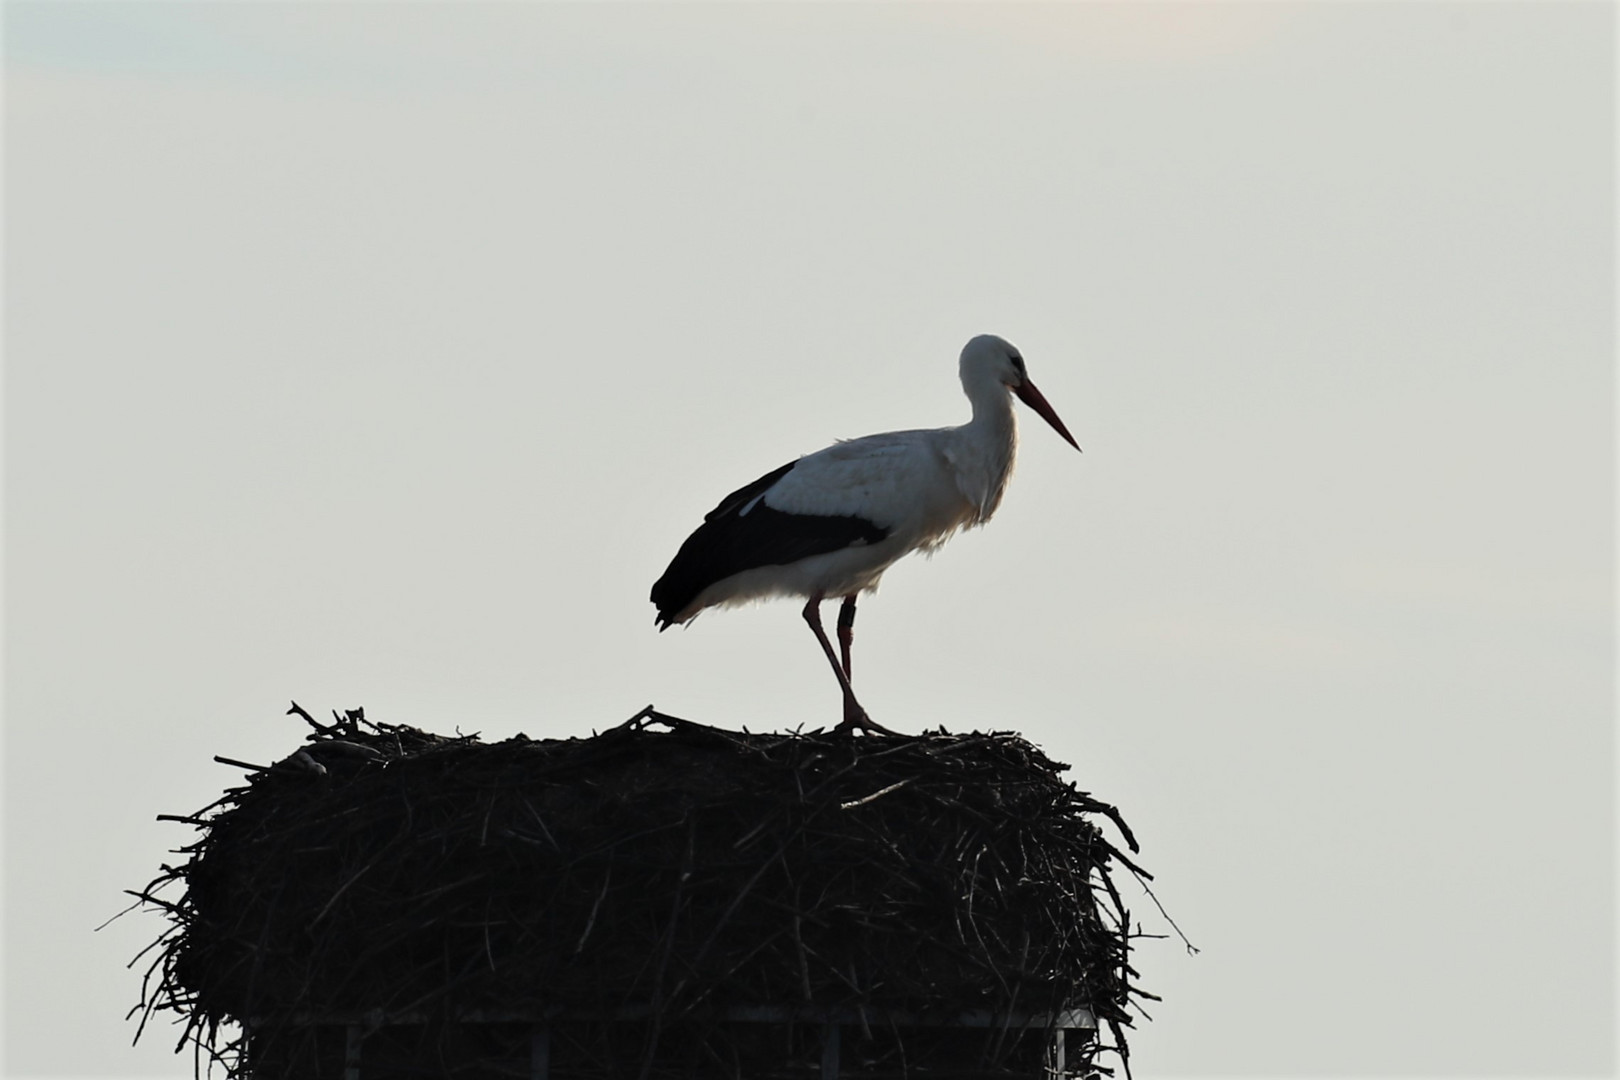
[{"x": 1018, "y": 364}]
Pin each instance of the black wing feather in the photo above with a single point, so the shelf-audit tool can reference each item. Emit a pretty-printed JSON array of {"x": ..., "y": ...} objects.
[
  {"x": 729, "y": 542},
  {"x": 739, "y": 498}
]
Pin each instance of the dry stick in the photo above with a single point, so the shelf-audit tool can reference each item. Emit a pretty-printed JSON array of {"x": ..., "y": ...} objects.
[
  {"x": 1116, "y": 853},
  {"x": 358, "y": 874},
  {"x": 310, "y": 720},
  {"x": 168, "y": 935},
  {"x": 540, "y": 821},
  {"x": 1123, "y": 1049},
  {"x": 483, "y": 833},
  {"x": 140, "y": 898},
  {"x": 259, "y": 950},
  {"x": 488, "y": 951},
  {"x": 590, "y": 922},
  {"x": 876, "y": 795},
  {"x": 1192, "y": 950},
  {"x": 1118, "y": 819},
  {"x": 184, "y": 819},
  {"x": 804, "y": 960},
  {"x": 737, "y": 900},
  {"x": 720, "y": 983},
  {"x": 150, "y": 1002},
  {"x": 241, "y": 764},
  {"x": 995, "y": 969},
  {"x": 770, "y": 815}
]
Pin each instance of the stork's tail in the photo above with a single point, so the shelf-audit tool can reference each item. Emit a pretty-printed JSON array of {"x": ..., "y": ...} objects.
[{"x": 664, "y": 597}]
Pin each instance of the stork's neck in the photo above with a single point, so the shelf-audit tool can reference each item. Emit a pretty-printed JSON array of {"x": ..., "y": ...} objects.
[
  {"x": 992, "y": 410},
  {"x": 987, "y": 444},
  {"x": 993, "y": 420}
]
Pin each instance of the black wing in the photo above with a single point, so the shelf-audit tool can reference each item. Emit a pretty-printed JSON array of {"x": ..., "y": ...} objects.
[{"x": 730, "y": 541}]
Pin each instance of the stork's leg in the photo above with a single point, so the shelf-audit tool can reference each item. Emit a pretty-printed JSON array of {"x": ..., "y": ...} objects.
[
  {"x": 854, "y": 715},
  {"x": 846, "y": 633}
]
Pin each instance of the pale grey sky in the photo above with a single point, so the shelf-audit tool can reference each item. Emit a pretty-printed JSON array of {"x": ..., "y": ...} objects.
[{"x": 382, "y": 355}]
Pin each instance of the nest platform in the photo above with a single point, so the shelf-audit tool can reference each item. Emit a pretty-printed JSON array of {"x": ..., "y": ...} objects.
[{"x": 664, "y": 899}]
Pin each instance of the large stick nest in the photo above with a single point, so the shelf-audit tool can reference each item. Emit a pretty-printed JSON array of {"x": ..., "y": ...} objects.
[{"x": 383, "y": 871}]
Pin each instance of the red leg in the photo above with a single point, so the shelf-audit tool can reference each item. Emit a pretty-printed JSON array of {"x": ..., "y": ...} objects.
[
  {"x": 846, "y": 633},
  {"x": 854, "y": 715}
]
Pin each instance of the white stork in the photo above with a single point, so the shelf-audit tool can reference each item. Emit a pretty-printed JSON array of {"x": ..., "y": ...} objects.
[{"x": 831, "y": 522}]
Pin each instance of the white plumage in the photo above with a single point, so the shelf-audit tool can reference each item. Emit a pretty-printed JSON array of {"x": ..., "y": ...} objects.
[{"x": 831, "y": 522}]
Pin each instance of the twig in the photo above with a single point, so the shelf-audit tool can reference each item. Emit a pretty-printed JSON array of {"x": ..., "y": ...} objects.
[
  {"x": 1192, "y": 950},
  {"x": 241, "y": 764},
  {"x": 607, "y": 879},
  {"x": 139, "y": 900},
  {"x": 184, "y": 819},
  {"x": 876, "y": 795},
  {"x": 320, "y": 728}
]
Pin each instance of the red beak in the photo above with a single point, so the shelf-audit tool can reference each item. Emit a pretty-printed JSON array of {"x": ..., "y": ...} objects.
[{"x": 1033, "y": 398}]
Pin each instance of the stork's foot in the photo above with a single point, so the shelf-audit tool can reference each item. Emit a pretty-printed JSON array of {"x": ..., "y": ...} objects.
[{"x": 855, "y": 719}]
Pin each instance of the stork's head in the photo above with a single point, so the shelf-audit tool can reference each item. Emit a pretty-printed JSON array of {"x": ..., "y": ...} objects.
[{"x": 988, "y": 358}]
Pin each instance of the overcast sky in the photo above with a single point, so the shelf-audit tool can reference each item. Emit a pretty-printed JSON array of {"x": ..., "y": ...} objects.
[{"x": 383, "y": 355}]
